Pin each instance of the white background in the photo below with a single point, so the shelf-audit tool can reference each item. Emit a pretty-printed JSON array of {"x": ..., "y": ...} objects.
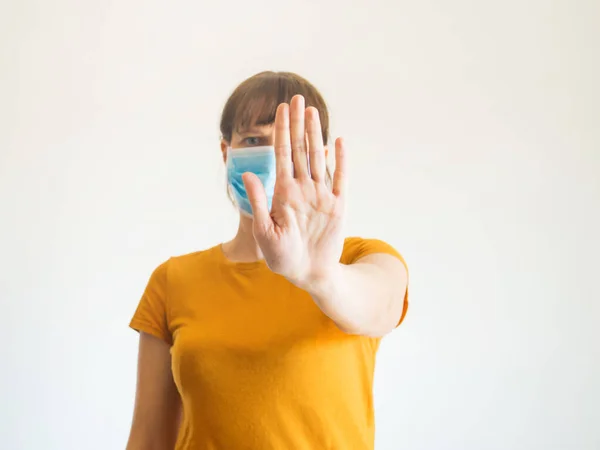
[{"x": 474, "y": 147}]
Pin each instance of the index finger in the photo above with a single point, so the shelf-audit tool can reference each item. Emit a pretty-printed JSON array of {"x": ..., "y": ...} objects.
[{"x": 283, "y": 147}]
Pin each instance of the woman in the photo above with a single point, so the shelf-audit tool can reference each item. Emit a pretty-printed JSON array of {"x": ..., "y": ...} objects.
[{"x": 268, "y": 341}]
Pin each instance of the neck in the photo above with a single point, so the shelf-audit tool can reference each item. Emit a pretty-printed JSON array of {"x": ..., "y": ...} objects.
[{"x": 243, "y": 247}]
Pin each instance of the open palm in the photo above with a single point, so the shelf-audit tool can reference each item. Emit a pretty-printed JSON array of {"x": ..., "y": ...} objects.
[{"x": 301, "y": 237}]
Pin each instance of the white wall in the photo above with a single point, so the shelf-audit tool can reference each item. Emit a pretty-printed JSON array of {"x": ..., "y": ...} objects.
[{"x": 474, "y": 148}]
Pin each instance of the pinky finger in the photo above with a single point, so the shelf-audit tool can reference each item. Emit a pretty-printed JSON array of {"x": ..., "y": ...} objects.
[{"x": 339, "y": 175}]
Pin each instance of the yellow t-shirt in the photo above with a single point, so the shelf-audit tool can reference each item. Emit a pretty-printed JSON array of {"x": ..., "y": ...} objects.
[{"x": 257, "y": 364}]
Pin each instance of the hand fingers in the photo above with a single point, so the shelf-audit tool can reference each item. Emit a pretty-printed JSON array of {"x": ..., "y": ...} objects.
[
  {"x": 339, "y": 175},
  {"x": 298, "y": 137},
  {"x": 258, "y": 201},
  {"x": 283, "y": 149},
  {"x": 316, "y": 154}
]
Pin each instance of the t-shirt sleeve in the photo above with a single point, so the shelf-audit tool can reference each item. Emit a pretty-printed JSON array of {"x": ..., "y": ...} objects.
[
  {"x": 151, "y": 313},
  {"x": 356, "y": 248}
]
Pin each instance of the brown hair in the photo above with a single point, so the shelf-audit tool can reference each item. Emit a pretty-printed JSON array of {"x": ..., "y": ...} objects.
[{"x": 255, "y": 101}]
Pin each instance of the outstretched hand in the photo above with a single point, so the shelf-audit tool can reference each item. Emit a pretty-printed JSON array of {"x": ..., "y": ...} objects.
[{"x": 301, "y": 237}]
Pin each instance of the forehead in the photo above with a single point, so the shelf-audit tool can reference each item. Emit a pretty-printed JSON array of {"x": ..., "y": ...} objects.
[{"x": 255, "y": 130}]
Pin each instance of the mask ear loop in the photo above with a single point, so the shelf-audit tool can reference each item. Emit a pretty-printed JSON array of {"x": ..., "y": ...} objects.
[{"x": 229, "y": 187}]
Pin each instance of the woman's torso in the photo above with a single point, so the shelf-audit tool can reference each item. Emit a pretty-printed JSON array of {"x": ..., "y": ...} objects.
[{"x": 258, "y": 365}]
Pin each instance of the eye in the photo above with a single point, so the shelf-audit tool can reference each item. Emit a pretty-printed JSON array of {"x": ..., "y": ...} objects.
[{"x": 252, "y": 141}]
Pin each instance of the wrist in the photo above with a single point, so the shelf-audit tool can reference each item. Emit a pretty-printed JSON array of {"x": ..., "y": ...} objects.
[{"x": 321, "y": 282}]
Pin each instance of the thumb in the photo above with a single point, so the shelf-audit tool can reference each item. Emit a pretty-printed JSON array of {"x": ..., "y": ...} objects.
[{"x": 258, "y": 201}]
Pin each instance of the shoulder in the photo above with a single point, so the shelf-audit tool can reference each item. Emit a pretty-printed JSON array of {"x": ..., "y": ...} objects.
[
  {"x": 189, "y": 266},
  {"x": 356, "y": 248},
  {"x": 188, "y": 262}
]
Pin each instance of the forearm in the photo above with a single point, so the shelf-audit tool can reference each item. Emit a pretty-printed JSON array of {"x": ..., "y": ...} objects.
[{"x": 360, "y": 298}]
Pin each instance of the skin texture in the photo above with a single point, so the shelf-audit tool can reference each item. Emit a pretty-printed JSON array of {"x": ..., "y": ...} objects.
[
  {"x": 157, "y": 411},
  {"x": 301, "y": 239}
]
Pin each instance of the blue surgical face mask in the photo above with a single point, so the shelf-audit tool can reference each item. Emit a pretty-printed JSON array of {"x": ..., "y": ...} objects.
[{"x": 258, "y": 160}]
